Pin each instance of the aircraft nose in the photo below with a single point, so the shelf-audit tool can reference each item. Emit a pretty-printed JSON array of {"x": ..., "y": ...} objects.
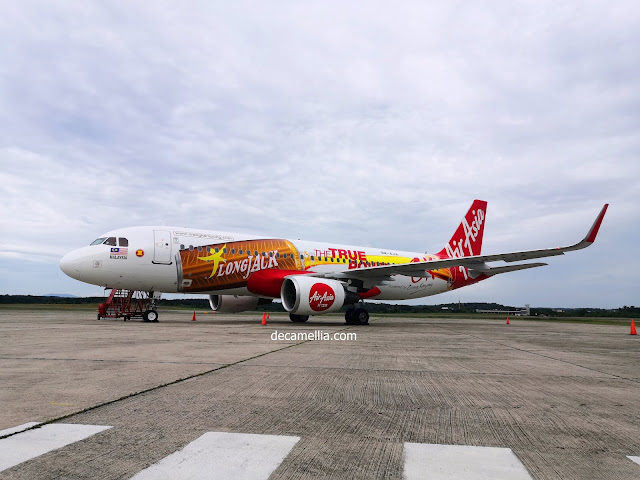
[{"x": 70, "y": 265}]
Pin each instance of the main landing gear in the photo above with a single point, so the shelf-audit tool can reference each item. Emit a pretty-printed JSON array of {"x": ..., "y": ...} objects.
[
  {"x": 298, "y": 318},
  {"x": 357, "y": 316}
]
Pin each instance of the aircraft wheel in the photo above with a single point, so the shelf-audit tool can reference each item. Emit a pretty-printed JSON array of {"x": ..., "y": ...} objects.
[
  {"x": 150, "y": 316},
  {"x": 348, "y": 316},
  {"x": 360, "y": 317},
  {"x": 298, "y": 318},
  {"x": 99, "y": 317}
]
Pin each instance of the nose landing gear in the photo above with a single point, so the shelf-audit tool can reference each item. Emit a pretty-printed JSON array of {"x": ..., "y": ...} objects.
[{"x": 150, "y": 316}]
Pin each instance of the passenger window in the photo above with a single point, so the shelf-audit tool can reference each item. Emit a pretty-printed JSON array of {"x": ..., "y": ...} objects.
[
  {"x": 224, "y": 250},
  {"x": 182, "y": 246},
  {"x": 240, "y": 251},
  {"x": 123, "y": 242},
  {"x": 110, "y": 241}
]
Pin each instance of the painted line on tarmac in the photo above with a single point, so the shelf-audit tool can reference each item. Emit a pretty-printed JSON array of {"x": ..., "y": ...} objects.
[
  {"x": 222, "y": 455},
  {"x": 422, "y": 460},
  {"x": 33, "y": 443},
  {"x": 18, "y": 429},
  {"x": 634, "y": 459}
]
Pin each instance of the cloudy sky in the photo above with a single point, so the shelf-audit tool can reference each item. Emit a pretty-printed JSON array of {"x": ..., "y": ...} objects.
[{"x": 366, "y": 123}]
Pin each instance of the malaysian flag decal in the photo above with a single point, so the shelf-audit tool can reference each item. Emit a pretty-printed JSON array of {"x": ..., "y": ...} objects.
[{"x": 119, "y": 252}]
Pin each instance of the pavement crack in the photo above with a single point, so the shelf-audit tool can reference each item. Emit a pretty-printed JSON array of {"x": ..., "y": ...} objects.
[{"x": 152, "y": 389}]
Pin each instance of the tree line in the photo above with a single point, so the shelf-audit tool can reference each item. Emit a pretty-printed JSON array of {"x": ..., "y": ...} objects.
[{"x": 444, "y": 309}]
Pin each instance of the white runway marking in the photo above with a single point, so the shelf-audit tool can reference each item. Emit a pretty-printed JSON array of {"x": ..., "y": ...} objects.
[
  {"x": 634, "y": 459},
  {"x": 27, "y": 445},
  {"x": 436, "y": 462},
  {"x": 17, "y": 429},
  {"x": 221, "y": 455}
]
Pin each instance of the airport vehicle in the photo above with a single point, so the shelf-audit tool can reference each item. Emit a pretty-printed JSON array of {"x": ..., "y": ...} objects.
[{"x": 238, "y": 270}]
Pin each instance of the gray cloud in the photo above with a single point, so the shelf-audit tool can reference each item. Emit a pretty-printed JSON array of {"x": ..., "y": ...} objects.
[{"x": 364, "y": 124}]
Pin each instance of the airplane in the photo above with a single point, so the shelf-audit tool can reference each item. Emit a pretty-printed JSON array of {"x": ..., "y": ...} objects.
[{"x": 239, "y": 271}]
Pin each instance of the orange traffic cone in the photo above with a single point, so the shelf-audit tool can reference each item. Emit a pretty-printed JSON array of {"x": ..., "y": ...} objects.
[
  {"x": 633, "y": 328},
  {"x": 268, "y": 318},
  {"x": 264, "y": 319},
  {"x": 507, "y": 320},
  {"x": 193, "y": 319}
]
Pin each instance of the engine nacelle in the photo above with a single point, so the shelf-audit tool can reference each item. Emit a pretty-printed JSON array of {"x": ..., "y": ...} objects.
[
  {"x": 232, "y": 303},
  {"x": 306, "y": 295}
]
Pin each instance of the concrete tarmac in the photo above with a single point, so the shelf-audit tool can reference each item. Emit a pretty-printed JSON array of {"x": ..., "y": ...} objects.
[{"x": 564, "y": 398}]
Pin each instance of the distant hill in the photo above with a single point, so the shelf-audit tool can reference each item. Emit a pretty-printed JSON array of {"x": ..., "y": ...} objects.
[{"x": 61, "y": 295}]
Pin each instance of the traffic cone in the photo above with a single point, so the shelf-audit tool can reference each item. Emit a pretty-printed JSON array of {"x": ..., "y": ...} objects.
[
  {"x": 193, "y": 319},
  {"x": 633, "y": 328},
  {"x": 268, "y": 318},
  {"x": 507, "y": 320},
  {"x": 264, "y": 319}
]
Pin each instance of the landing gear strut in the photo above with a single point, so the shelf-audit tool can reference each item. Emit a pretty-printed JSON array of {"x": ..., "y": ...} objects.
[
  {"x": 357, "y": 316},
  {"x": 151, "y": 315}
]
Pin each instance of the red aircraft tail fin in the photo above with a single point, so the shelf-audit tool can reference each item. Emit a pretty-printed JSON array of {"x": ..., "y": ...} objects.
[{"x": 467, "y": 241}]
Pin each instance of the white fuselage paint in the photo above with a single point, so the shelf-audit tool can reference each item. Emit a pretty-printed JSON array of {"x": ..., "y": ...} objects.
[{"x": 98, "y": 265}]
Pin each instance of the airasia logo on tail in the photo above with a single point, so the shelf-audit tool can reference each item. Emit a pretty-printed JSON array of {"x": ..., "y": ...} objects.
[{"x": 321, "y": 297}]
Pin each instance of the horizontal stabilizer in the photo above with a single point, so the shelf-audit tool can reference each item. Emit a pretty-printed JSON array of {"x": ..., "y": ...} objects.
[{"x": 508, "y": 268}]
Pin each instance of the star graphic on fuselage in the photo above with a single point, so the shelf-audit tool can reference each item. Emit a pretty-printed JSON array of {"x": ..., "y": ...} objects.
[{"x": 216, "y": 258}]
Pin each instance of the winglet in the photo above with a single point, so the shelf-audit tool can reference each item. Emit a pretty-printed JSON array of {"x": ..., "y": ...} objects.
[{"x": 591, "y": 236}]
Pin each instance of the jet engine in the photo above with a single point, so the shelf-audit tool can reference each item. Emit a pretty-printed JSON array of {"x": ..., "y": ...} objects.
[
  {"x": 233, "y": 303},
  {"x": 307, "y": 295}
]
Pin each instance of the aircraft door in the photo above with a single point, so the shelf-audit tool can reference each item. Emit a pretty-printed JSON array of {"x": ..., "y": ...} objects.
[{"x": 162, "y": 247}]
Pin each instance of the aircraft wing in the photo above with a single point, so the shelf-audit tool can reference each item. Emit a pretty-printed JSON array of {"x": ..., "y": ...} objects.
[{"x": 476, "y": 263}]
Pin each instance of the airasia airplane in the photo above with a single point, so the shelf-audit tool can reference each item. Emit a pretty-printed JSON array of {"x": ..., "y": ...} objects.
[{"x": 238, "y": 271}]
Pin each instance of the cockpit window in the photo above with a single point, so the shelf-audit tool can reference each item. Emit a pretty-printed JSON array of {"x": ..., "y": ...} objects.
[
  {"x": 110, "y": 241},
  {"x": 98, "y": 241},
  {"x": 123, "y": 242}
]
